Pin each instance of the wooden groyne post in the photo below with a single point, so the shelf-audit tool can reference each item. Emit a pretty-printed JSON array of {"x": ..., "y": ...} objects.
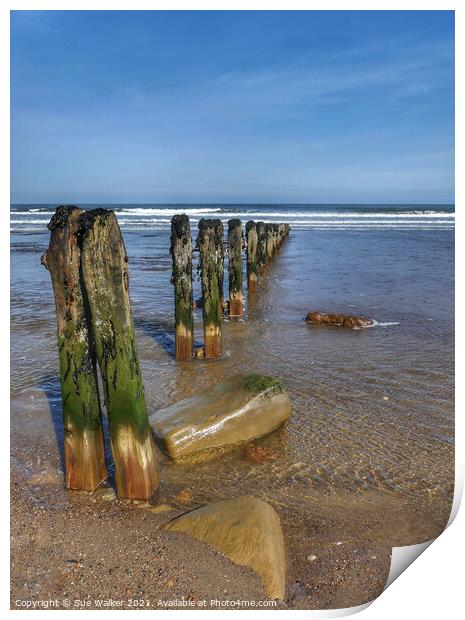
[
  {"x": 252, "y": 264},
  {"x": 85, "y": 466},
  {"x": 261, "y": 246},
  {"x": 269, "y": 241},
  {"x": 211, "y": 266},
  {"x": 106, "y": 283},
  {"x": 235, "y": 268},
  {"x": 181, "y": 253}
]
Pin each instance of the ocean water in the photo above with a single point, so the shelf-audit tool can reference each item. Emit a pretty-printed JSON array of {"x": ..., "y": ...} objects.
[{"x": 369, "y": 446}]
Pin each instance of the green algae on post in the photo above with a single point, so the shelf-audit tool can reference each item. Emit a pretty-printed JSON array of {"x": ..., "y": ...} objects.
[
  {"x": 252, "y": 262},
  {"x": 85, "y": 466},
  {"x": 106, "y": 285},
  {"x": 235, "y": 267},
  {"x": 181, "y": 253},
  {"x": 211, "y": 266}
]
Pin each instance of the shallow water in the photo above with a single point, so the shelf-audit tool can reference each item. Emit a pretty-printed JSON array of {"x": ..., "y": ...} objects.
[{"x": 370, "y": 440}]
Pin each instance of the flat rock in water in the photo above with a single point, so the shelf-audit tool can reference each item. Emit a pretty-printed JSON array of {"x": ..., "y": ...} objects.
[
  {"x": 230, "y": 412},
  {"x": 247, "y": 530},
  {"x": 338, "y": 320}
]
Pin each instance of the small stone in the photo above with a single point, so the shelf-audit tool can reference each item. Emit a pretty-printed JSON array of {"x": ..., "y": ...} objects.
[
  {"x": 311, "y": 558},
  {"x": 170, "y": 583},
  {"x": 258, "y": 454},
  {"x": 107, "y": 494},
  {"x": 184, "y": 496},
  {"x": 385, "y": 397}
]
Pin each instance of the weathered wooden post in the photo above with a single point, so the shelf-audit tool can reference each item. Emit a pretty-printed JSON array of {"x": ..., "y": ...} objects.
[
  {"x": 85, "y": 466},
  {"x": 274, "y": 228},
  {"x": 252, "y": 264},
  {"x": 261, "y": 246},
  {"x": 235, "y": 267},
  {"x": 269, "y": 242},
  {"x": 106, "y": 284},
  {"x": 211, "y": 266},
  {"x": 181, "y": 252}
]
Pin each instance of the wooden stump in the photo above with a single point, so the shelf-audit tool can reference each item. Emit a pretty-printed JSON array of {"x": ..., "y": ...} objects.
[
  {"x": 181, "y": 252},
  {"x": 269, "y": 242},
  {"x": 211, "y": 265},
  {"x": 275, "y": 238},
  {"x": 252, "y": 264},
  {"x": 261, "y": 246},
  {"x": 85, "y": 466},
  {"x": 235, "y": 268},
  {"x": 106, "y": 283}
]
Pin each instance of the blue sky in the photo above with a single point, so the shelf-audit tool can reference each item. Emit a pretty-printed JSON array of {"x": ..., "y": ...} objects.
[{"x": 275, "y": 106}]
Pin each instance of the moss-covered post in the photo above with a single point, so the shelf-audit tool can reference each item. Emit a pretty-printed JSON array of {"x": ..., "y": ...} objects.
[
  {"x": 235, "y": 267},
  {"x": 181, "y": 253},
  {"x": 85, "y": 466},
  {"x": 261, "y": 246},
  {"x": 252, "y": 263},
  {"x": 106, "y": 284},
  {"x": 211, "y": 266}
]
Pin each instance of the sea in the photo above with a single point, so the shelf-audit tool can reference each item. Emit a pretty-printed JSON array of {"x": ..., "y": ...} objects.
[{"x": 369, "y": 444}]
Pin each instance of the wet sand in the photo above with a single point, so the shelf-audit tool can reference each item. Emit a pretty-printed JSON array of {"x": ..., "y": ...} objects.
[{"x": 90, "y": 549}]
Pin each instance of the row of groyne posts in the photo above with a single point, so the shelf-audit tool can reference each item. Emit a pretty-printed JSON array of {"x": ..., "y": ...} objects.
[
  {"x": 262, "y": 242},
  {"x": 88, "y": 264}
]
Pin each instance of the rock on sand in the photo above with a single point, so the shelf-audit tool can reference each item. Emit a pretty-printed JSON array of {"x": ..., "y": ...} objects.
[
  {"x": 245, "y": 529},
  {"x": 338, "y": 320},
  {"x": 233, "y": 411}
]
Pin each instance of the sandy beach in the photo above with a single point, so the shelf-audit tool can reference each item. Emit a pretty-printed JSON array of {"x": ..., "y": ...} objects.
[{"x": 92, "y": 551}]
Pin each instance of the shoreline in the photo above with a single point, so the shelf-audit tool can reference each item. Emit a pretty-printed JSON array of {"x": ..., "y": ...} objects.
[
  {"x": 67, "y": 544},
  {"x": 91, "y": 546}
]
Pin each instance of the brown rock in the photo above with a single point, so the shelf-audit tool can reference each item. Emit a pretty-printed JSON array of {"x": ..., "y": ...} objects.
[
  {"x": 338, "y": 320},
  {"x": 245, "y": 529}
]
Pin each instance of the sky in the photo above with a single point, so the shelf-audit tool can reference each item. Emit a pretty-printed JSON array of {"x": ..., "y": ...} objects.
[{"x": 232, "y": 106}]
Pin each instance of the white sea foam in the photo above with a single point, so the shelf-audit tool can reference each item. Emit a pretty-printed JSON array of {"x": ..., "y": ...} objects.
[
  {"x": 227, "y": 213},
  {"x": 155, "y": 218}
]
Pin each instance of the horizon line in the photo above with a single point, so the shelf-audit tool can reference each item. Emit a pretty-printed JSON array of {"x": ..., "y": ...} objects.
[{"x": 195, "y": 204}]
